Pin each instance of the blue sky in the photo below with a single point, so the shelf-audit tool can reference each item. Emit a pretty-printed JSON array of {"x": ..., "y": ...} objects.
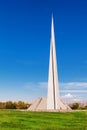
[{"x": 25, "y": 27}]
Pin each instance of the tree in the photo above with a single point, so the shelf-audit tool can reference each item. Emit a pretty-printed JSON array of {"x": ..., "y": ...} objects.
[
  {"x": 75, "y": 106},
  {"x": 22, "y": 105},
  {"x": 2, "y": 105},
  {"x": 10, "y": 105}
]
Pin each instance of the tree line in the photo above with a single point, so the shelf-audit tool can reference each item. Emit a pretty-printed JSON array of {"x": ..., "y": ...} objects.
[
  {"x": 23, "y": 105},
  {"x": 14, "y": 105}
]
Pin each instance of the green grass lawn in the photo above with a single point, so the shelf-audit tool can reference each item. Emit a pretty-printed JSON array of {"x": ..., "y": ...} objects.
[{"x": 23, "y": 120}]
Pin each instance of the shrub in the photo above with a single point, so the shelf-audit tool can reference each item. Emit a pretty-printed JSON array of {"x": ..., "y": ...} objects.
[
  {"x": 75, "y": 106},
  {"x": 2, "y": 105},
  {"x": 10, "y": 105},
  {"x": 21, "y": 105},
  {"x": 83, "y": 107}
]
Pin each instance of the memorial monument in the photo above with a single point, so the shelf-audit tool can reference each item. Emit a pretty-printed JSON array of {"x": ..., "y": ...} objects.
[{"x": 52, "y": 102}]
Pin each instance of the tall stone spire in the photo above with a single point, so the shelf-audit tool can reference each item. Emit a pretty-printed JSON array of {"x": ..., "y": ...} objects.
[
  {"x": 53, "y": 98},
  {"x": 52, "y": 101},
  {"x": 53, "y": 92}
]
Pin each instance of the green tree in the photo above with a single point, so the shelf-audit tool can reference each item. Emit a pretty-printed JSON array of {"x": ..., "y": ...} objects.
[
  {"x": 22, "y": 105},
  {"x": 75, "y": 106},
  {"x": 2, "y": 105},
  {"x": 10, "y": 105}
]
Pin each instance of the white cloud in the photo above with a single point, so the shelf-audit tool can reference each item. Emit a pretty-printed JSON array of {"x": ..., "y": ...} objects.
[
  {"x": 77, "y": 100},
  {"x": 69, "y": 95},
  {"x": 73, "y": 85},
  {"x": 71, "y": 98},
  {"x": 74, "y": 91}
]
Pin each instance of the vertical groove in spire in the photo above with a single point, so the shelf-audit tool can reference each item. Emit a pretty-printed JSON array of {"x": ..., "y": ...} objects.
[{"x": 53, "y": 79}]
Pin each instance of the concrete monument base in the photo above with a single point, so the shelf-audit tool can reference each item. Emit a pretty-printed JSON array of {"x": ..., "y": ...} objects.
[{"x": 41, "y": 105}]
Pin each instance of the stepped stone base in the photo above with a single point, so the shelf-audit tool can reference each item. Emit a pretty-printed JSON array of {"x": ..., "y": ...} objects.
[{"x": 41, "y": 105}]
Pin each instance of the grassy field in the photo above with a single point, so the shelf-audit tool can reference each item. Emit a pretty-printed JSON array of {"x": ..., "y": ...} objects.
[{"x": 23, "y": 120}]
